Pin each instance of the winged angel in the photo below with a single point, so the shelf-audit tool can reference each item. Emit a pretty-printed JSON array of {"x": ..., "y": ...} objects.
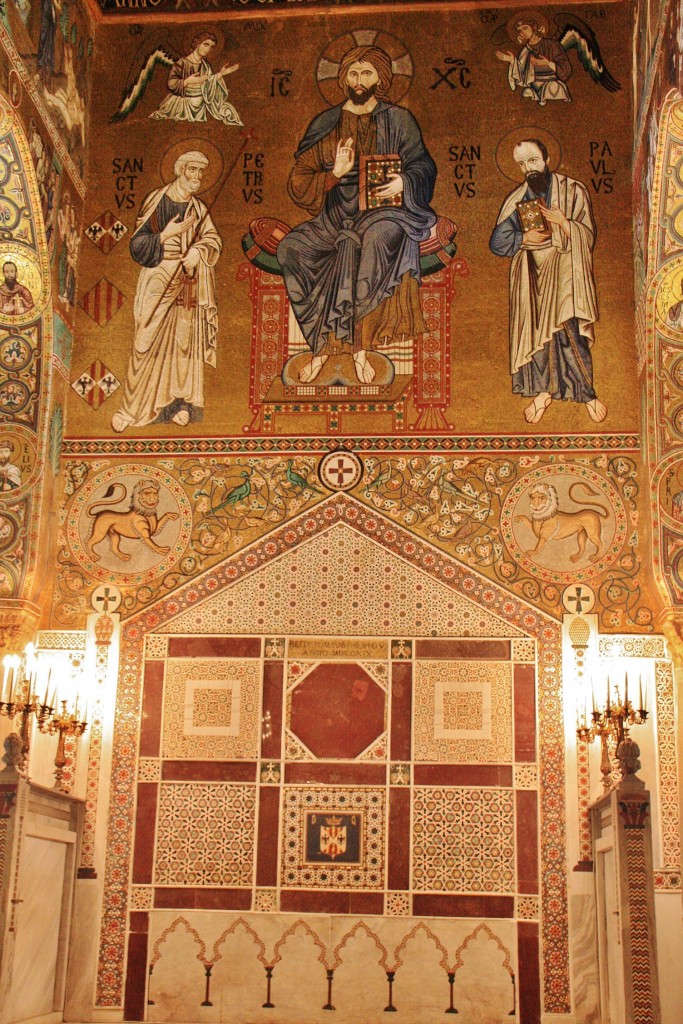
[
  {"x": 194, "y": 89},
  {"x": 542, "y": 66}
]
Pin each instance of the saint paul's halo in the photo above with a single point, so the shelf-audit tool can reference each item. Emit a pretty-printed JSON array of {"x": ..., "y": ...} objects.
[
  {"x": 329, "y": 61},
  {"x": 212, "y": 173},
  {"x": 505, "y": 160}
]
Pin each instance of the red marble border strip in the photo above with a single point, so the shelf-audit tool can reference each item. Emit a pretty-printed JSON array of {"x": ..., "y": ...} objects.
[
  {"x": 139, "y": 921},
  {"x": 136, "y": 977},
  {"x": 525, "y": 712},
  {"x": 152, "y": 698},
  {"x": 268, "y": 832},
  {"x": 529, "y": 980},
  {"x": 145, "y": 828},
  {"x": 208, "y": 771},
  {"x": 214, "y": 647},
  {"x": 398, "y": 838},
  {"x": 360, "y": 774},
  {"x": 401, "y": 710},
  {"x": 436, "y": 905},
  {"x": 188, "y": 898},
  {"x": 463, "y": 775},
  {"x": 462, "y": 650},
  {"x": 273, "y": 677},
  {"x": 316, "y": 901},
  {"x": 526, "y": 806}
]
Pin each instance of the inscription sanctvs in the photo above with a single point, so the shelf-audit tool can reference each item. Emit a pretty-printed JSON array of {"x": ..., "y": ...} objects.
[
  {"x": 125, "y": 171},
  {"x": 465, "y": 160}
]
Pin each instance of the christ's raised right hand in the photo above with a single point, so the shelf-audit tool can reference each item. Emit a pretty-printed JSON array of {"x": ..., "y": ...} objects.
[{"x": 344, "y": 158}]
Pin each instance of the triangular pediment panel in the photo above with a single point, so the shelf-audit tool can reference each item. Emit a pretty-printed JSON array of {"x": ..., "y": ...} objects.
[
  {"x": 343, "y": 584},
  {"x": 342, "y": 570}
]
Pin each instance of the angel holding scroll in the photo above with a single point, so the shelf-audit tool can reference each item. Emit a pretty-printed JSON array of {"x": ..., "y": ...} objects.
[{"x": 194, "y": 89}]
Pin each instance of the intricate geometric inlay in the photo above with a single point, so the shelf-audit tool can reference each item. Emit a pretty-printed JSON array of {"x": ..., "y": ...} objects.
[
  {"x": 463, "y": 840},
  {"x": 211, "y": 708},
  {"x": 453, "y": 718},
  {"x": 333, "y": 838},
  {"x": 205, "y": 834}
]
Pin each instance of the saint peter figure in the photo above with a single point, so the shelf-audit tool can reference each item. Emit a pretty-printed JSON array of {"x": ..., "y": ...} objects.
[{"x": 176, "y": 319}]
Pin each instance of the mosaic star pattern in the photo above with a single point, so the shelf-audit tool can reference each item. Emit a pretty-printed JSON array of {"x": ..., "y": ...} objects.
[
  {"x": 463, "y": 840},
  {"x": 453, "y": 716},
  {"x": 205, "y": 834},
  {"x": 211, "y": 708}
]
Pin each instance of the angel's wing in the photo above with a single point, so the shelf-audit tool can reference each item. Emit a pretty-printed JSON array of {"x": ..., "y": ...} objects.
[
  {"x": 132, "y": 97},
  {"x": 576, "y": 34}
]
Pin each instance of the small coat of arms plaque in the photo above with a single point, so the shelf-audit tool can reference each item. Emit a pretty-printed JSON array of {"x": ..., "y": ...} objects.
[{"x": 333, "y": 836}]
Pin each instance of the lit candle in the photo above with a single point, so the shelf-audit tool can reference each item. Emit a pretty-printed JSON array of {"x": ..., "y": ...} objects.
[
  {"x": 640, "y": 693},
  {"x": 625, "y": 691},
  {"x": 5, "y": 692},
  {"x": 47, "y": 687},
  {"x": 609, "y": 705},
  {"x": 595, "y": 706}
]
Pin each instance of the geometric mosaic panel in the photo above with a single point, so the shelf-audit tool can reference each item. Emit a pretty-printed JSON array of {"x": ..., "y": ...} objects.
[
  {"x": 333, "y": 838},
  {"x": 463, "y": 711},
  {"x": 211, "y": 708},
  {"x": 306, "y": 591},
  {"x": 463, "y": 840},
  {"x": 205, "y": 834}
]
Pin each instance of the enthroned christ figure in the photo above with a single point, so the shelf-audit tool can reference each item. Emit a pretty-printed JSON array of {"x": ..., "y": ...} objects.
[{"x": 353, "y": 272}]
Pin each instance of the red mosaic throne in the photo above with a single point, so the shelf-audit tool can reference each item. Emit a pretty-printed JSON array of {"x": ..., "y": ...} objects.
[{"x": 419, "y": 394}]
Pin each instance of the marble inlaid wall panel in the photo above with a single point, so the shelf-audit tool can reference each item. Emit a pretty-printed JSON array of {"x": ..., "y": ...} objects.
[
  {"x": 463, "y": 711},
  {"x": 211, "y": 709},
  {"x": 299, "y": 966}
]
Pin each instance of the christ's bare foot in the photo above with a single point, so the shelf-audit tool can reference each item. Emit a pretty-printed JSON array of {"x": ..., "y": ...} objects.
[
  {"x": 534, "y": 412},
  {"x": 119, "y": 422},
  {"x": 364, "y": 370},
  {"x": 312, "y": 369},
  {"x": 182, "y": 417},
  {"x": 596, "y": 410}
]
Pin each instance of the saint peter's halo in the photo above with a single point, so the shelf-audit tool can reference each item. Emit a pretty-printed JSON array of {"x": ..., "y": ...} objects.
[
  {"x": 330, "y": 59},
  {"x": 212, "y": 173},
  {"x": 505, "y": 161}
]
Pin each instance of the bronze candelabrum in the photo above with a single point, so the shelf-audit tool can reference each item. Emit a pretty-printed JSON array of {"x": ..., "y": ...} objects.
[
  {"x": 19, "y": 699},
  {"x": 612, "y": 723},
  {"x": 16, "y": 699},
  {"x": 66, "y": 723}
]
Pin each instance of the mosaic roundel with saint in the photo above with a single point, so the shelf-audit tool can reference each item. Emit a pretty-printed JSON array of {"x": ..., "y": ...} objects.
[
  {"x": 130, "y": 522},
  {"x": 564, "y": 523}
]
